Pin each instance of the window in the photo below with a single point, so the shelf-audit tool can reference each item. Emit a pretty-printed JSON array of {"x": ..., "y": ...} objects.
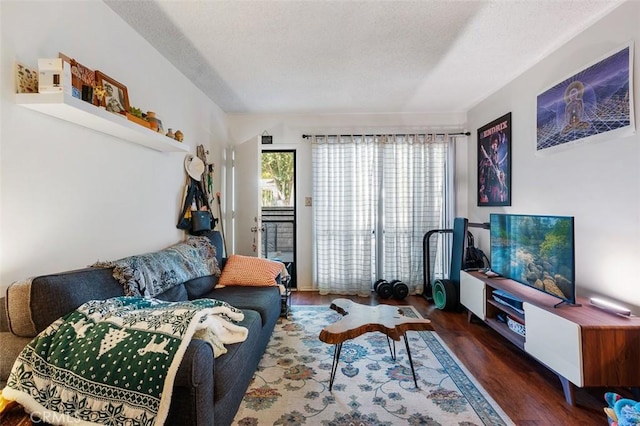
[{"x": 374, "y": 199}]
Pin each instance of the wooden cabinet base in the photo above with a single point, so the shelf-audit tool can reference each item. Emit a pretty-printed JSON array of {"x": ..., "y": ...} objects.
[{"x": 583, "y": 345}]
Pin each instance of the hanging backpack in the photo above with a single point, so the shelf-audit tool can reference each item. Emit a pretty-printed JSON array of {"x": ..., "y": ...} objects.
[{"x": 474, "y": 258}]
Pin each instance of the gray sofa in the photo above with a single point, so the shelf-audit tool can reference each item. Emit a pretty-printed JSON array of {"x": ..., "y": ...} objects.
[{"x": 207, "y": 390}]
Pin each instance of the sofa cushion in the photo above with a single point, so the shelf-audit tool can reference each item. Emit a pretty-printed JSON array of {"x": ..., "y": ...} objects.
[
  {"x": 265, "y": 300},
  {"x": 35, "y": 303},
  {"x": 198, "y": 287},
  {"x": 227, "y": 367},
  {"x": 176, "y": 293},
  {"x": 250, "y": 271}
]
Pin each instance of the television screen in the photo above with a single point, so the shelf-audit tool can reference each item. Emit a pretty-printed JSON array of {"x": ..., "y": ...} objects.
[{"x": 535, "y": 250}]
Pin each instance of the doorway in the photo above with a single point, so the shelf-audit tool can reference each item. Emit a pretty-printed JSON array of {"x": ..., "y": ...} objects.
[{"x": 278, "y": 208}]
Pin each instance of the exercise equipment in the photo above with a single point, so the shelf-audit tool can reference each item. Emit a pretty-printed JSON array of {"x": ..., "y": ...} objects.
[
  {"x": 445, "y": 293},
  {"x": 400, "y": 289},
  {"x": 383, "y": 288},
  {"x": 395, "y": 288}
]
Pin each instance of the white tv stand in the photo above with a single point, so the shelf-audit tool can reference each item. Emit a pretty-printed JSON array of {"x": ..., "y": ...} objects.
[{"x": 583, "y": 345}]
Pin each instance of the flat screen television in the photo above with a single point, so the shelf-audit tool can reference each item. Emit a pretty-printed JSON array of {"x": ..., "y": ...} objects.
[{"x": 537, "y": 251}]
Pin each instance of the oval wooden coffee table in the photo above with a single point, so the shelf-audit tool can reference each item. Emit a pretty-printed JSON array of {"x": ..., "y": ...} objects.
[{"x": 360, "y": 319}]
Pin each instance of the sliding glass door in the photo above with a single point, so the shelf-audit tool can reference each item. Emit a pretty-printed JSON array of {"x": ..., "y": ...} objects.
[{"x": 375, "y": 196}]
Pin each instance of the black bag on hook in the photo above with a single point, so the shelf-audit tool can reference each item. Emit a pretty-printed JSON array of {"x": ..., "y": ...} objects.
[
  {"x": 195, "y": 221},
  {"x": 184, "y": 222},
  {"x": 200, "y": 221}
]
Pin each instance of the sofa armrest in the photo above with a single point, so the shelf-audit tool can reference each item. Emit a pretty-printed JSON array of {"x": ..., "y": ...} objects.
[
  {"x": 192, "y": 399},
  {"x": 10, "y": 347},
  {"x": 4, "y": 319}
]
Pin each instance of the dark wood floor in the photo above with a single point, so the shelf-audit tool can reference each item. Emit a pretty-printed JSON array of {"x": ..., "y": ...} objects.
[{"x": 528, "y": 392}]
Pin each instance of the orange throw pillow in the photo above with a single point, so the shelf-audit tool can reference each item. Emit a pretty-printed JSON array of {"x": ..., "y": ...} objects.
[{"x": 249, "y": 271}]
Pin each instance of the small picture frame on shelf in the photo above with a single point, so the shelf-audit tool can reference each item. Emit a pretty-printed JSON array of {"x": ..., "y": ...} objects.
[
  {"x": 26, "y": 79},
  {"x": 83, "y": 79},
  {"x": 50, "y": 75},
  {"x": 116, "y": 98}
]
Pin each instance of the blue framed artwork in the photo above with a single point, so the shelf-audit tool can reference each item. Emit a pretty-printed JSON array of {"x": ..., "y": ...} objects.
[{"x": 590, "y": 103}]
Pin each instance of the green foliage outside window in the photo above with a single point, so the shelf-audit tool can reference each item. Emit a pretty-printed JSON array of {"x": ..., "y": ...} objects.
[{"x": 277, "y": 170}]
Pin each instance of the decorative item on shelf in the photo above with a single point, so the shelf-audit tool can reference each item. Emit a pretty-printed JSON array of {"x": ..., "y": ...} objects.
[
  {"x": 26, "y": 79},
  {"x": 99, "y": 93},
  {"x": 170, "y": 133},
  {"x": 179, "y": 136},
  {"x": 516, "y": 326},
  {"x": 50, "y": 75},
  {"x": 83, "y": 79},
  {"x": 116, "y": 98},
  {"x": 153, "y": 121},
  {"x": 160, "y": 128},
  {"x": 87, "y": 93},
  {"x": 135, "y": 114}
]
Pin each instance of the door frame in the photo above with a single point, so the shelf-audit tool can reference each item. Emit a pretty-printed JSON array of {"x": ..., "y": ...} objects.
[{"x": 264, "y": 149}]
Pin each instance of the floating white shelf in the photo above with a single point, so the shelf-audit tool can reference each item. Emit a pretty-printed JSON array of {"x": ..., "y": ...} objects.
[{"x": 74, "y": 110}]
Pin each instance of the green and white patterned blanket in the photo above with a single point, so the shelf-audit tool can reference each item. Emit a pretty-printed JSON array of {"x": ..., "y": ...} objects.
[{"x": 113, "y": 362}]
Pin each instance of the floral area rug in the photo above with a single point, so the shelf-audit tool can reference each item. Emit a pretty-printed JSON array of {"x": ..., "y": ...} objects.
[{"x": 291, "y": 386}]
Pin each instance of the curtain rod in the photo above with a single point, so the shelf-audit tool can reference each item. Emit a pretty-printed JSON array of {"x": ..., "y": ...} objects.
[{"x": 398, "y": 134}]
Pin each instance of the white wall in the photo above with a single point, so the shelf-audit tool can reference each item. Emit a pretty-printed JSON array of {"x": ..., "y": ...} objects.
[
  {"x": 597, "y": 182},
  {"x": 70, "y": 196},
  {"x": 287, "y": 131}
]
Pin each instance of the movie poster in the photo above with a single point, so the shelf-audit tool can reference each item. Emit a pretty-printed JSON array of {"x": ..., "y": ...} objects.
[{"x": 494, "y": 163}]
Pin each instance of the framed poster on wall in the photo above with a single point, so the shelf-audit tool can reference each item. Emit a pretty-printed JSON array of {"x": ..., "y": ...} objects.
[
  {"x": 596, "y": 102},
  {"x": 494, "y": 162}
]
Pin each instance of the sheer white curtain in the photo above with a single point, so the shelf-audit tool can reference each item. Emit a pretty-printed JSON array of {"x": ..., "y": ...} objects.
[
  {"x": 374, "y": 199},
  {"x": 415, "y": 189},
  {"x": 345, "y": 197}
]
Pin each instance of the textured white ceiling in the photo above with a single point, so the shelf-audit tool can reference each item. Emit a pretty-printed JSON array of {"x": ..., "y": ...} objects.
[{"x": 433, "y": 56}]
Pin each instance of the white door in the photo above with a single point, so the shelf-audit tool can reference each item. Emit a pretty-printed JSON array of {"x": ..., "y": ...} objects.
[{"x": 247, "y": 221}]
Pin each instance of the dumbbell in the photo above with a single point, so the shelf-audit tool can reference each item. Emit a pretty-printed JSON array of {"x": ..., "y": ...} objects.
[
  {"x": 400, "y": 290},
  {"x": 395, "y": 288},
  {"x": 383, "y": 288}
]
